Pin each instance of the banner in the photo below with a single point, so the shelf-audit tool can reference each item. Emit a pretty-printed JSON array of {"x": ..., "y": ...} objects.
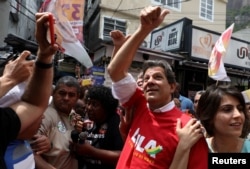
[
  {"x": 216, "y": 69},
  {"x": 246, "y": 95},
  {"x": 66, "y": 14},
  {"x": 74, "y": 12}
]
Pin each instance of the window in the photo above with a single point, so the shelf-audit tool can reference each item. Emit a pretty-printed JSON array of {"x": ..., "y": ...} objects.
[
  {"x": 158, "y": 1},
  {"x": 112, "y": 24},
  {"x": 206, "y": 9},
  {"x": 173, "y": 4}
]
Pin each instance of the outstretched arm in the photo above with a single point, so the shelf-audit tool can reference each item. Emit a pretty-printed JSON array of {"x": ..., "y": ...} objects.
[
  {"x": 150, "y": 18},
  {"x": 35, "y": 98},
  {"x": 188, "y": 136}
]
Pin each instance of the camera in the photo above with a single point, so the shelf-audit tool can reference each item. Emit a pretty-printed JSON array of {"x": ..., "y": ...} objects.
[
  {"x": 5, "y": 58},
  {"x": 13, "y": 56}
]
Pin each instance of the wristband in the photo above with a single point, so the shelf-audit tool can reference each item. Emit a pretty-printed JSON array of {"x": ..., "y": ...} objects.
[{"x": 42, "y": 65}]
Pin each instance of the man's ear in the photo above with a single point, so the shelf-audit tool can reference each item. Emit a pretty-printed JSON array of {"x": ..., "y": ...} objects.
[{"x": 172, "y": 87}]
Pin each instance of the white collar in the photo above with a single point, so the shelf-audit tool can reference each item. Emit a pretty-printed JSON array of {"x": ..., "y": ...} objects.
[{"x": 165, "y": 108}]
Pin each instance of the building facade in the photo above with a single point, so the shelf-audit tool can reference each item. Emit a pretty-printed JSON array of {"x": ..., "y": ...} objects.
[
  {"x": 189, "y": 21},
  {"x": 102, "y": 16},
  {"x": 18, "y": 23}
]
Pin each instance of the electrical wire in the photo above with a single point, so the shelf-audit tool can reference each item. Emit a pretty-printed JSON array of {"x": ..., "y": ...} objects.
[
  {"x": 173, "y": 17},
  {"x": 117, "y": 8},
  {"x": 23, "y": 13},
  {"x": 24, "y": 7},
  {"x": 156, "y": 5}
]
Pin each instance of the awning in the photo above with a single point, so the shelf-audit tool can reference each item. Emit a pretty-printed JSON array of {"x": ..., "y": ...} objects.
[
  {"x": 20, "y": 44},
  {"x": 203, "y": 65},
  {"x": 162, "y": 54}
]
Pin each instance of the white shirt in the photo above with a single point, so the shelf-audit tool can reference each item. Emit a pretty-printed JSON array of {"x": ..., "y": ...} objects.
[{"x": 126, "y": 87}]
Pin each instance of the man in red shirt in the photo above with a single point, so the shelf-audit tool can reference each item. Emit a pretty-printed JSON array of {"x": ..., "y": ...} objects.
[{"x": 152, "y": 139}]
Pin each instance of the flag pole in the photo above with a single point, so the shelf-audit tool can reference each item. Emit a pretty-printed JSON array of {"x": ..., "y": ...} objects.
[{"x": 217, "y": 82}]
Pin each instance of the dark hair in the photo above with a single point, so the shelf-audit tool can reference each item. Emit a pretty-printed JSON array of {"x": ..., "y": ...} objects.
[
  {"x": 209, "y": 104},
  {"x": 140, "y": 75},
  {"x": 104, "y": 95},
  {"x": 68, "y": 81},
  {"x": 170, "y": 75},
  {"x": 200, "y": 92}
]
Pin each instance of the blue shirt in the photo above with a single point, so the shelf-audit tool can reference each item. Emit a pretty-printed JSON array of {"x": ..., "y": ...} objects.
[
  {"x": 186, "y": 103},
  {"x": 19, "y": 155},
  {"x": 246, "y": 146}
]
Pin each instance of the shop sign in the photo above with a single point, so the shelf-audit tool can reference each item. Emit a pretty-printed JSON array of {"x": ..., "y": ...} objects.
[
  {"x": 98, "y": 75},
  {"x": 237, "y": 53},
  {"x": 168, "y": 38}
]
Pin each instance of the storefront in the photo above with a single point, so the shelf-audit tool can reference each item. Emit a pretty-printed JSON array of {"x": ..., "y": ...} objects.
[
  {"x": 102, "y": 58},
  {"x": 236, "y": 59},
  {"x": 195, "y": 45},
  {"x": 187, "y": 48}
]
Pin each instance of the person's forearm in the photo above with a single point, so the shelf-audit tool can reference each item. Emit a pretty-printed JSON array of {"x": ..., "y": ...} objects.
[
  {"x": 40, "y": 83},
  {"x": 123, "y": 135},
  {"x": 105, "y": 156},
  {"x": 41, "y": 163},
  {"x": 5, "y": 85},
  {"x": 35, "y": 98},
  {"x": 115, "y": 50},
  {"x": 119, "y": 65},
  {"x": 181, "y": 157}
]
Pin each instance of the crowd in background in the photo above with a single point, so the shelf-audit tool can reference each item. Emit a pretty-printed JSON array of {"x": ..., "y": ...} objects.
[{"x": 135, "y": 123}]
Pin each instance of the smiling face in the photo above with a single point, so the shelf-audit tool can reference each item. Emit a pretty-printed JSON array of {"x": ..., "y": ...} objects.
[
  {"x": 229, "y": 119},
  {"x": 156, "y": 87}
]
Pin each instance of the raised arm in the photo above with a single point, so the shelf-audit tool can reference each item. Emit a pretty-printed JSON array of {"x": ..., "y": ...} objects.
[
  {"x": 35, "y": 98},
  {"x": 150, "y": 18}
]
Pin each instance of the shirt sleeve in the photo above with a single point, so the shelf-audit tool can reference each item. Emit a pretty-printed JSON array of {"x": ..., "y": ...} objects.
[
  {"x": 10, "y": 125},
  {"x": 45, "y": 126},
  {"x": 124, "y": 89}
]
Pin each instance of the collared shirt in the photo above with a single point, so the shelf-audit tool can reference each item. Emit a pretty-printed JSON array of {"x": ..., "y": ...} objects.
[
  {"x": 126, "y": 87},
  {"x": 58, "y": 129}
]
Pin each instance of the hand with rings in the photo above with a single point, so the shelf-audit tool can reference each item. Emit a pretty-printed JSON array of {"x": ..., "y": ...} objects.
[{"x": 190, "y": 133}]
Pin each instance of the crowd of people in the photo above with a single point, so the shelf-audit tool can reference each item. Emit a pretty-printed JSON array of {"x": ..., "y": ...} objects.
[{"x": 135, "y": 123}]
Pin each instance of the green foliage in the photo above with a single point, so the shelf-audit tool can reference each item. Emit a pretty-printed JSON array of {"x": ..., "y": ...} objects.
[
  {"x": 245, "y": 11},
  {"x": 231, "y": 14}
]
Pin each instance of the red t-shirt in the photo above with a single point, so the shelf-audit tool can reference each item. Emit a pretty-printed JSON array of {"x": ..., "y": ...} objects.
[{"x": 152, "y": 139}]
